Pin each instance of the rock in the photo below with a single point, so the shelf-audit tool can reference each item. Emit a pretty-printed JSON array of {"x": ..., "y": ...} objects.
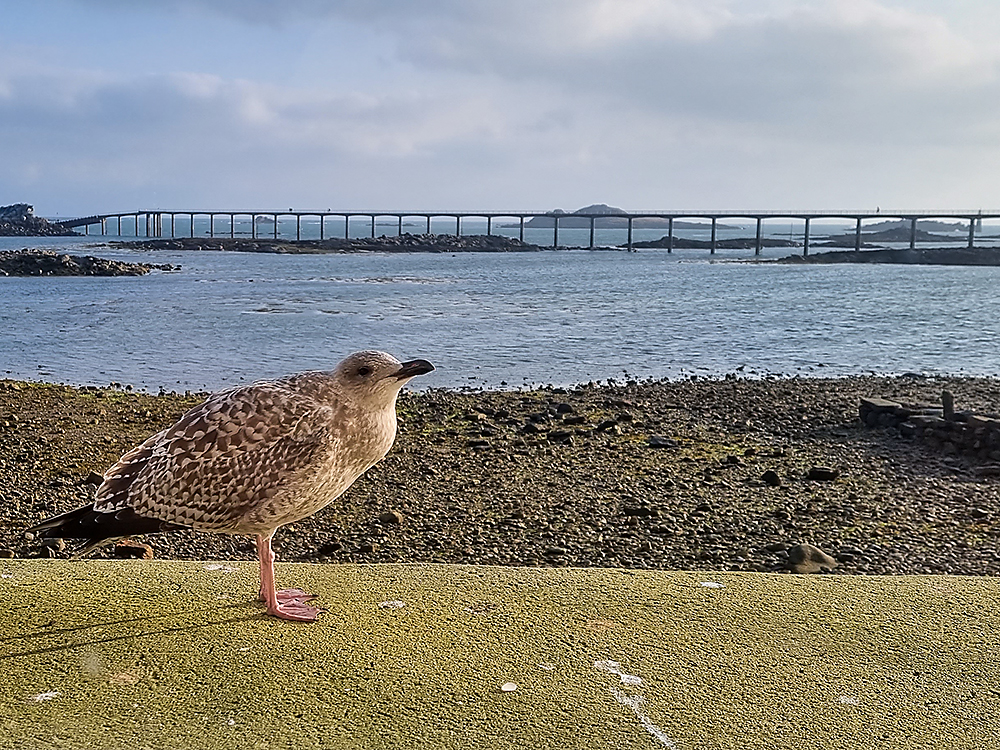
[
  {"x": 561, "y": 436},
  {"x": 127, "y": 549},
  {"x": 51, "y": 263},
  {"x": 804, "y": 558},
  {"x": 19, "y": 220},
  {"x": 390, "y": 518},
  {"x": 771, "y": 478},
  {"x": 574, "y": 419},
  {"x": 555, "y": 551},
  {"x": 658, "y": 441},
  {"x": 980, "y": 514},
  {"x": 822, "y": 474},
  {"x": 329, "y": 549},
  {"x": 564, "y": 408},
  {"x": 367, "y": 548},
  {"x": 6, "y": 554},
  {"x": 606, "y": 425}
]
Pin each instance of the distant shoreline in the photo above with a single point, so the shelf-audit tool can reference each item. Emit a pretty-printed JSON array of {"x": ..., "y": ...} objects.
[{"x": 932, "y": 256}]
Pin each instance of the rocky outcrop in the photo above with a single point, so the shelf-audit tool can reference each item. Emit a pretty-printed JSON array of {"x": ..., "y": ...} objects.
[
  {"x": 53, "y": 263},
  {"x": 19, "y": 220},
  {"x": 939, "y": 256},
  {"x": 405, "y": 243},
  {"x": 939, "y": 426},
  {"x": 738, "y": 243}
]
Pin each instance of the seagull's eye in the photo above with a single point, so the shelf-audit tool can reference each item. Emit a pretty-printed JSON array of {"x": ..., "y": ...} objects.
[{"x": 364, "y": 371}]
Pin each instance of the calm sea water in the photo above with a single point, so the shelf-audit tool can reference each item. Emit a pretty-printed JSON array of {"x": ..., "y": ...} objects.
[{"x": 493, "y": 319}]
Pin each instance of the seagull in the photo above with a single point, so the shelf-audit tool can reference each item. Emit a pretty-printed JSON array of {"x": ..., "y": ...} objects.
[{"x": 250, "y": 460}]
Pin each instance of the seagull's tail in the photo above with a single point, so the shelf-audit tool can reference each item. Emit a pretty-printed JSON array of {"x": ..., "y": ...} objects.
[{"x": 98, "y": 528}]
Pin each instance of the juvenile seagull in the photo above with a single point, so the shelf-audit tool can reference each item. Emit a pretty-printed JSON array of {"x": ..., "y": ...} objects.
[{"x": 249, "y": 460}]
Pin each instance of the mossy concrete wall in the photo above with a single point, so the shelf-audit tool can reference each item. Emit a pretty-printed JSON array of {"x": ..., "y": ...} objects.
[{"x": 178, "y": 655}]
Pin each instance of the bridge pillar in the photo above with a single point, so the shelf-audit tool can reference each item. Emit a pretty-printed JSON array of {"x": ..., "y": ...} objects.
[
  {"x": 913, "y": 233},
  {"x": 592, "y": 220},
  {"x": 712, "y": 251},
  {"x": 192, "y": 225},
  {"x": 322, "y": 223},
  {"x": 347, "y": 227},
  {"x": 630, "y": 234},
  {"x": 399, "y": 227},
  {"x": 857, "y": 235},
  {"x": 274, "y": 230},
  {"x": 757, "y": 247},
  {"x": 555, "y": 231},
  {"x": 521, "y": 232},
  {"x": 805, "y": 240},
  {"x": 670, "y": 234},
  {"x": 972, "y": 231},
  {"x": 298, "y": 226},
  {"x": 211, "y": 225},
  {"x": 232, "y": 225},
  {"x": 489, "y": 226},
  {"x": 458, "y": 225}
]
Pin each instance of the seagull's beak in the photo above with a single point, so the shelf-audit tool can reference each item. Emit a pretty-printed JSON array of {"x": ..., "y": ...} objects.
[{"x": 413, "y": 368}]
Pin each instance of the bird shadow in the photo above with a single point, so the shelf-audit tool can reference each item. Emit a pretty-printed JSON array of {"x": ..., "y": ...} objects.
[{"x": 27, "y": 638}]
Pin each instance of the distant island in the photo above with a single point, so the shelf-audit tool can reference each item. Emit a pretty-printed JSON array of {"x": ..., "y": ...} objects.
[
  {"x": 610, "y": 218},
  {"x": 932, "y": 256},
  {"x": 405, "y": 243},
  {"x": 19, "y": 220}
]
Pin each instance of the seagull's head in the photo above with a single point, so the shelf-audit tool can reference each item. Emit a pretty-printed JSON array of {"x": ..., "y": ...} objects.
[{"x": 374, "y": 378}]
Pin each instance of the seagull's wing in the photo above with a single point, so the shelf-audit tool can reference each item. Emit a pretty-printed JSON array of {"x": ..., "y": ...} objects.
[{"x": 222, "y": 458}]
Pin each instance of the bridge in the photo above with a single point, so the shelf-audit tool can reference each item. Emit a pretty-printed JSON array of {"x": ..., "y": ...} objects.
[{"x": 154, "y": 223}]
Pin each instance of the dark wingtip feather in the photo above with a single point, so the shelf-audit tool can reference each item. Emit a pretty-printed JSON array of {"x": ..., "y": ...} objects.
[{"x": 97, "y": 528}]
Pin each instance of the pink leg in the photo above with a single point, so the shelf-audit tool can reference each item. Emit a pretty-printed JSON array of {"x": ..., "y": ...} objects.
[{"x": 288, "y": 604}]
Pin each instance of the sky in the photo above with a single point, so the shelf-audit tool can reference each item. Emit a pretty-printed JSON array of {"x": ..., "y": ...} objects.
[{"x": 115, "y": 105}]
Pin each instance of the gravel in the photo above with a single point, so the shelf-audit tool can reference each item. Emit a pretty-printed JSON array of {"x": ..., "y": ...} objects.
[{"x": 708, "y": 474}]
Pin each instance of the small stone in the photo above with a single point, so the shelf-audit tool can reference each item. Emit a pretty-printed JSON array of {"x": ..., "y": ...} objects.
[
  {"x": 508, "y": 687},
  {"x": 606, "y": 425},
  {"x": 804, "y": 558},
  {"x": 555, "y": 551},
  {"x": 6, "y": 554},
  {"x": 822, "y": 474},
  {"x": 979, "y": 513},
  {"x": 129, "y": 550},
  {"x": 658, "y": 441},
  {"x": 367, "y": 548},
  {"x": 390, "y": 518},
  {"x": 563, "y": 408},
  {"x": 771, "y": 478},
  {"x": 561, "y": 436}
]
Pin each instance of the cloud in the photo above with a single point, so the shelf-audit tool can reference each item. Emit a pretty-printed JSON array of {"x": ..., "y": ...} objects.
[{"x": 476, "y": 102}]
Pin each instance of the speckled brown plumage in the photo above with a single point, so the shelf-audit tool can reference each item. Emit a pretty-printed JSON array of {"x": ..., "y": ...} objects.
[{"x": 251, "y": 459}]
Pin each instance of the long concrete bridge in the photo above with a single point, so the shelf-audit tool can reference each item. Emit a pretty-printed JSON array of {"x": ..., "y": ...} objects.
[{"x": 155, "y": 223}]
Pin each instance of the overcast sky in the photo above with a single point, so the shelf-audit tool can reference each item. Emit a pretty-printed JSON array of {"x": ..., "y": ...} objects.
[{"x": 109, "y": 105}]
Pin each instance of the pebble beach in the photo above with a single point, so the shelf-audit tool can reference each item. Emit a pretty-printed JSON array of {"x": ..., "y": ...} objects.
[{"x": 694, "y": 474}]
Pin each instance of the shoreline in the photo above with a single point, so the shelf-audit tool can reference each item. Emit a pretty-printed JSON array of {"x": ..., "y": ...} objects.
[{"x": 571, "y": 477}]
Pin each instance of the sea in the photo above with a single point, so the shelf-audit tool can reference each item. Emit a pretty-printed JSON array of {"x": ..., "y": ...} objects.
[{"x": 494, "y": 320}]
